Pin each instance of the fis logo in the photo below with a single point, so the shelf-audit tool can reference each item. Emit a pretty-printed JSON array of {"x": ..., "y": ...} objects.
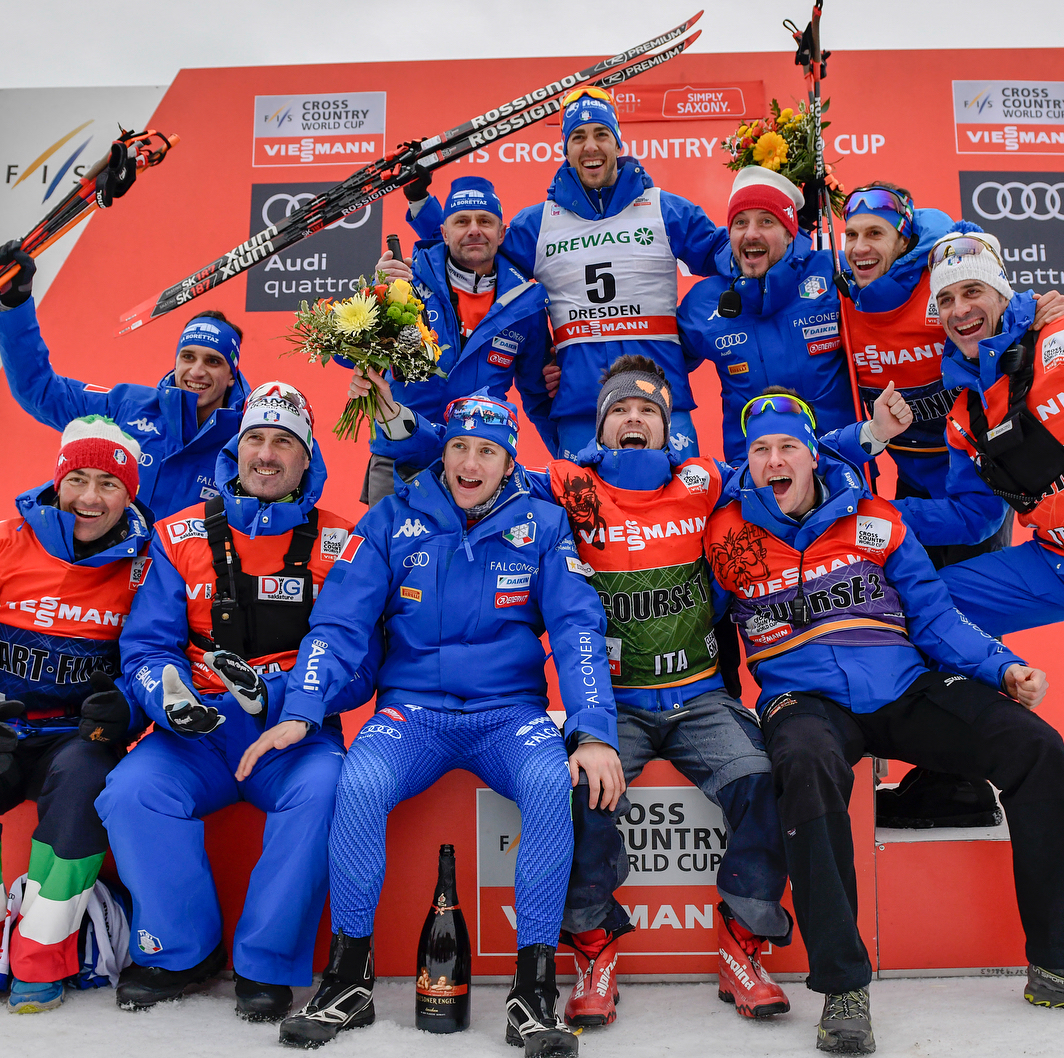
[
  {"x": 520, "y": 535},
  {"x": 812, "y": 287},
  {"x": 281, "y": 589},
  {"x": 411, "y": 527},
  {"x": 332, "y": 543},
  {"x": 147, "y": 943}
]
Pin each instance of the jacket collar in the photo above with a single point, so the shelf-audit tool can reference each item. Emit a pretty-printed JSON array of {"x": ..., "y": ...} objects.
[
  {"x": 958, "y": 370},
  {"x": 629, "y": 468},
  {"x": 892, "y": 290},
  {"x": 178, "y": 406},
  {"x": 567, "y": 191},
  {"x": 55, "y": 529},
  {"x": 249, "y": 515},
  {"x": 425, "y": 493},
  {"x": 839, "y": 479},
  {"x": 776, "y": 288}
]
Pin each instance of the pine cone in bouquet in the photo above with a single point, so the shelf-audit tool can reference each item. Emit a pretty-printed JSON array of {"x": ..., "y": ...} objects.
[{"x": 380, "y": 326}]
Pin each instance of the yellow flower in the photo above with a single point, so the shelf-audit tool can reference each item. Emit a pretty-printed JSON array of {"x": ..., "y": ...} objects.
[
  {"x": 770, "y": 151},
  {"x": 740, "y": 131},
  {"x": 355, "y": 315},
  {"x": 786, "y": 114},
  {"x": 399, "y": 292}
]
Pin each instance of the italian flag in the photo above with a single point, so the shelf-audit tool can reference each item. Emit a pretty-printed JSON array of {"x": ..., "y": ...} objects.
[{"x": 44, "y": 942}]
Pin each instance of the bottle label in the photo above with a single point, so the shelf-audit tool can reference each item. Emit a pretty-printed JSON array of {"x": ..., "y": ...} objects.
[{"x": 442, "y": 989}]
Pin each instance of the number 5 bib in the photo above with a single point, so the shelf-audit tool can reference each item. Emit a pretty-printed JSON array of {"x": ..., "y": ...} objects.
[{"x": 608, "y": 280}]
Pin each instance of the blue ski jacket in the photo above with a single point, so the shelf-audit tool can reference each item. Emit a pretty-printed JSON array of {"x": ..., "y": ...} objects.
[
  {"x": 787, "y": 335},
  {"x": 158, "y": 630},
  {"x": 863, "y": 676},
  {"x": 463, "y": 610},
  {"x": 693, "y": 239},
  {"x": 178, "y": 455},
  {"x": 510, "y": 344},
  {"x": 968, "y": 512}
]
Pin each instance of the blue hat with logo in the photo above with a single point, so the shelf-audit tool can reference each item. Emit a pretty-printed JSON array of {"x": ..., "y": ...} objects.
[
  {"x": 215, "y": 334},
  {"x": 472, "y": 192},
  {"x": 590, "y": 110},
  {"x": 482, "y": 416}
]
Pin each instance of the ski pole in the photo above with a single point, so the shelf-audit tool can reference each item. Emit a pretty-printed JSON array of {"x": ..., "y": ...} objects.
[{"x": 88, "y": 194}]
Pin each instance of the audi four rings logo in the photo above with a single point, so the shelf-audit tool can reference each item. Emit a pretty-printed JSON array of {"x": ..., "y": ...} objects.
[
  {"x": 272, "y": 206},
  {"x": 726, "y": 341},
  {"x": 1016, "y": 201},
  {"x": 418, "y": 558}
]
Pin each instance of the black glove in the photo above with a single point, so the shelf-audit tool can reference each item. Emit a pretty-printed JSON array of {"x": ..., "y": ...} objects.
[
  {"x": 418, "y": 189},
  {"x": 186, "y": 714},
  {"x": 8, "y": 735},
  {"x": 105, "y": 713},
  {"x": 117, "y": 178},
  {"x": 810, "y": 211},
  {"x": 17, "y": 290}
]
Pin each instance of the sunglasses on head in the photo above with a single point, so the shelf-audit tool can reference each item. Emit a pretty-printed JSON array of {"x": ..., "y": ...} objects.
[
  {"x": 961, "y": 246},
  {"x": 590, "y": 90},
  {"x": 873, "y": 197},
  {"x": 778, "y": 402},
  {"x": 489, "y": 411},
  {"x": 289, "y": 394}
]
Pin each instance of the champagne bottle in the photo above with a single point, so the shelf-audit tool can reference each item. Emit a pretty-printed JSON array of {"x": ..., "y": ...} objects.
[{"x": 441, "y": 1000}]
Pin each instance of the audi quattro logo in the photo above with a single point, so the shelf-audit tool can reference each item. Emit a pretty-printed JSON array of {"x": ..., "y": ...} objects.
[
  {"x": 1018, "y": 201},
  {"x": 728, "y": 341}
]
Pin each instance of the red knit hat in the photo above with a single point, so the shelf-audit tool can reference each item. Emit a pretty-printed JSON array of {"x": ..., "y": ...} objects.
[
  {"x": 756, "y": 187},
  {"x": 98, "y": 443}
]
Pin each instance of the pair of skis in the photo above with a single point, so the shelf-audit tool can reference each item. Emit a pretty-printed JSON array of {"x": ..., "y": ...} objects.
[
  {"x": 407, "y": 163},
  {"x": 109, "y": 178}
]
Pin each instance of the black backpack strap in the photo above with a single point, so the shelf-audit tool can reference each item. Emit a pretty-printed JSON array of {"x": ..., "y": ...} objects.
[
  {"x": 223, "y": 553},
  {"x": 303, "y": 539}
]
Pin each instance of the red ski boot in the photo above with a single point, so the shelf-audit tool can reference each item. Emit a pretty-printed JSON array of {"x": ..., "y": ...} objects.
[
  {"x": 594, "y": 995},
  {"x": 742, "y": 980}
]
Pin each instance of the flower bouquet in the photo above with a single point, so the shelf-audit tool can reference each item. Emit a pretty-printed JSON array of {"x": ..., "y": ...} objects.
[
  {"x": 379, "y": 326},
  {"x": 785, "y": 142}
]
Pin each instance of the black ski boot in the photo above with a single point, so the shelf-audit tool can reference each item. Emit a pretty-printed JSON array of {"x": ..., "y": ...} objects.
[
  {"x": 1045, "y": 988},
  {"x": 531, "y": 1020},
  {"x": 846, "y": 1024},
  {"x": 926, "y": 798},
  {"x": 141, "y": 987},
  {"x": 258, "y": 1001},
  {"x": 344, "y": 999}
]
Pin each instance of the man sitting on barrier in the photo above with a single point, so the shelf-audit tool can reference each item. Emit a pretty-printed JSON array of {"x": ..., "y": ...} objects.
[
  {"x": 638, "y": 512},
  {"x": 229, "y": 580},
  {"x": 837, "y": 605},
  {"x": 69, "y": 570},
  {"x": 467, "y": 570}
]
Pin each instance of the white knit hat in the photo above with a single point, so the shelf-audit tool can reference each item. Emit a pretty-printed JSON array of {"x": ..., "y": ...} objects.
[
  {"x": 280, "y": 405},
  {"x": 982, "y": 265}
]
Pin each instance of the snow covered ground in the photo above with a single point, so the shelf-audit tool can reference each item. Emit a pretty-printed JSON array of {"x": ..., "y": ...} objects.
[{"x": 962, "y": 1016}]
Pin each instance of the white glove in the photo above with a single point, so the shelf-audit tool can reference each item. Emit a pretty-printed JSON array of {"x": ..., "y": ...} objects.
[{"x": 185, "y": 712}]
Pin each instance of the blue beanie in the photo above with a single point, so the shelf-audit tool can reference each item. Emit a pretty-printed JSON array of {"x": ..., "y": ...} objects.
[
  {"x": 791, "y": 424},
  {"x": 214, "y": 333},
  {"x": 589, "y": 110},
  {"x": 472, "y": 192},
  {"x": 481, "y": 415}
]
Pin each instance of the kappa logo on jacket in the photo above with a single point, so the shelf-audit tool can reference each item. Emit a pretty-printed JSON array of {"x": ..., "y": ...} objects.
[
  {"x": 411, "y": 527},
  {"x": 144, "y": 425}
]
